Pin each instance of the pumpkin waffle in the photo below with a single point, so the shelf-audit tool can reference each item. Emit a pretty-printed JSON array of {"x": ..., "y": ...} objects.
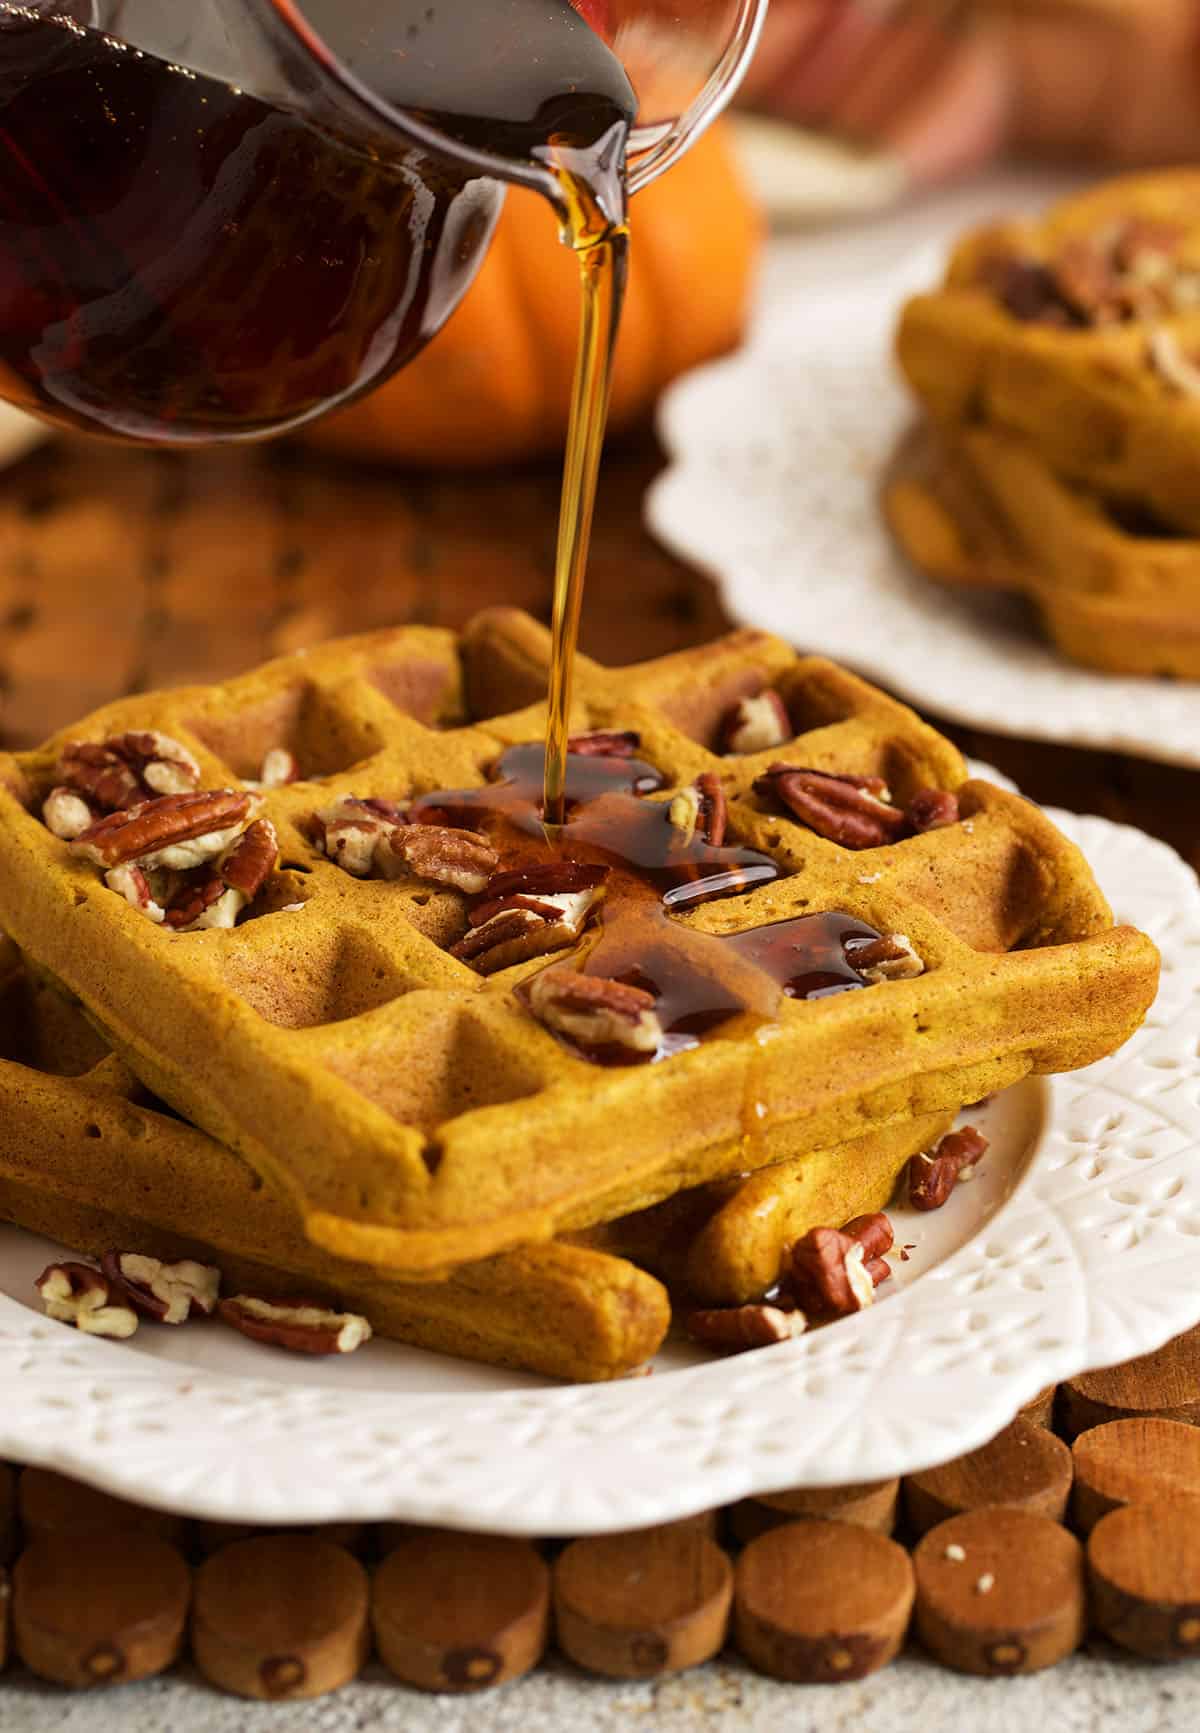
[
  {"x": 980, "y": 509},
  {"x": 90, "y": 1159},
  {"x": 1081, "y": 334},
  {"x": 420, "y": 1114}
]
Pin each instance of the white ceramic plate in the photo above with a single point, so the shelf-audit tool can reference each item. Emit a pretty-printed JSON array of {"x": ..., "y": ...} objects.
[
  {"x": 776, "y": 457},
  {"x": 1076, "y": 1246}
]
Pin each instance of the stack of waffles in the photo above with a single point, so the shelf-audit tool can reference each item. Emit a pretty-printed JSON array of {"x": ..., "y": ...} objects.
[
  {"x": 1059, "y": 369},
  {"x": 297, "y": 983}
]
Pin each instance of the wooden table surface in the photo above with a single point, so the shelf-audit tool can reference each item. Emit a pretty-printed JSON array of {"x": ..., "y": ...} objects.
[{"x": 122, "y": 569}]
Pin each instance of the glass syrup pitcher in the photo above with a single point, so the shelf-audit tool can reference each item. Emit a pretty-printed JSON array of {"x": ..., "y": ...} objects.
[{"x": 221, "y": 218}]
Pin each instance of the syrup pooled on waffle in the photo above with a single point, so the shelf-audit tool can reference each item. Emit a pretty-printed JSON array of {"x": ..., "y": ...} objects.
[{"x": 870, "y": 938}]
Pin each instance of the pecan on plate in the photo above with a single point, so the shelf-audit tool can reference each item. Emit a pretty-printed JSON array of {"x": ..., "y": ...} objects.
[
  {"x": 125, "y": 769},
  {"x": 303, "y": 1326},
  {"x": 890, "y": 957},
  {"x": 833, "y": 1272},
  {"x": 738, "y": 1327},
  {"x": 700, "y": 811},
  {"x": 594, "y": 1012},
  {"x": 179, "y": 831},
  {"x": 169, "y": 1293},
  {"x": 755, "y": 725},
  {"x": 931, "y": 809},
  {"x": 445, "y": 856},
  {"x": 853, "y": 811},
  {"x": 530, "y": 913},
  {"x": 77, "y": 1294},
  {"x": 351, "y": 831},
  {"x": 605, "y": 743},
  {"x": 933, "y": 1176}
]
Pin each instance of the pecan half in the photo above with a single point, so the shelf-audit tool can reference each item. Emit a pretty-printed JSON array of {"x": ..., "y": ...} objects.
[
  {"x": 249, "y": 862},
  {"x": 302, "y": 1326},
  {"x": 593, "y": 1011},
  {"x": 120, "y": 772},
  {"x": 351, "y": 831},
  {"x": 738, "y": 1327},
  {"x": 177, "y": 830},
  {"x": 605, "y": 743},
  {"x": 214, "y": 896},
  {"x": 67, "y": 814},
  {"x": 933, "y": 1176},
  {"x": 149, "y": 893},
  {"x": 701, "y": 811},
  {"x": 891, "y": 957},
  {"x": 540, "y": 910},
  {"x": 932, "y": 809},
  {"x": 169, "y": 1293},
  {"x": 77, "y": 1294},
  {"x": 833, "y": 1272},
  {"x": 853, "y": 811},
  {"x": 755, "y": 724},
  {"x": 445, "y": 856}
]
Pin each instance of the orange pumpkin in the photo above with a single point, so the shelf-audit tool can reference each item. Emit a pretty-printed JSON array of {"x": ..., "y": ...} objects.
[{"x": 495, "y": 384}]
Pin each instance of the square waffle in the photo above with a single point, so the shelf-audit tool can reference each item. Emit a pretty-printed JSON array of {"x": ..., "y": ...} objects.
[
  {"x": 415, "y": 1111},
  {"x": 1081, "y": 334},
  {"x": 91, "y": 1160},
  {"x": 980, "y": 509}
]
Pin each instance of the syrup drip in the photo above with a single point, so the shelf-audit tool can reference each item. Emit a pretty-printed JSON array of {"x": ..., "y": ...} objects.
[{"x": 700, "y": 981}]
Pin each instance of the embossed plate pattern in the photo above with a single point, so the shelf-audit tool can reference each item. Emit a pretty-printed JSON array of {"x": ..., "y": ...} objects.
[
  {"x": 1078, "y": 1245},
  {"x": 777, "y": 455}
]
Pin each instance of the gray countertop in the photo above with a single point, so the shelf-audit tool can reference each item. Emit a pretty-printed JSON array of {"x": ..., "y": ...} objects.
[{"x": 1094, "y": 1693}]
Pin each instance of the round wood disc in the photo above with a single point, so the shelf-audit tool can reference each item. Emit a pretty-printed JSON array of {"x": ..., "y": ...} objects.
[
  {"x": 634, "y": 1606},
  {"x": 870, "y": 1504},
  {"x": 1041, "y": 1409},
  {"x": 50, "y": 1504},
  {"x": 281, "y": 1617},
  {"x": 999, "y": 1591},
  {"x": 1132, "y": 1462},
  {"x": 459, "y": 1612},
  {"x": 99, "y": 1611},
  {"x": 1024, "y": 1466},
  {"x": 1164, "y": 1385},
  {"x": 1144, "y": 1577},
  {"x": 821, "y": 1602}
]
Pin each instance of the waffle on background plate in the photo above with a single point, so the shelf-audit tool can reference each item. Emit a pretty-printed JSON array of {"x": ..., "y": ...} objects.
[
  {"x": 1059, "y": 367},
  {"x": 414, "y": 1113},
  {"x": 89, "y": 1158}
]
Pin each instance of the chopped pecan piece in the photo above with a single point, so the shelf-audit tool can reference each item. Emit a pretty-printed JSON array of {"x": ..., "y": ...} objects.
[
  {"x": 129, "y": 768},
  {"x": 605, "y": 743},
  {"x": 738, "y": 1327},
  {"x": 853, "y": 811},
  {"x": 932, "y": 1177},
  {"x": 538, "y": 910},
  {"x": 445, "y": 856},
  {"x": 932, "y": 809},
  {"x": 77, "y": 1294},
  {"x": 177, "y": 830},
  {"x": 888, "y": 958},
  {"x": 755, "y": 725},
  {"x": 303, "y": 1326},
  {"x": 215, "y": 896},
  {"x": 595, "y": 1012},
  {"x": 279, "y": 768},
  {"x": 169, "y": 1293},
  {"x": 67, "y": 814},
  {"x": 701, "y": 811},
  {"x": 248, "y": 864},
  {"x": 351, "y": 831},
  {"x": 149, "y": 893},
  {"x": 834, "y": 1272}
]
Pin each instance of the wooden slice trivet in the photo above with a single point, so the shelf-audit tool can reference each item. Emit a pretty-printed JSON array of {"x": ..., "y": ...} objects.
[
  {"x": 999, "y": 1591},
  {"x": 1164, "y": 1385},
  {"x": 633, "y": 1606},
  {"x": 821, "y": 1602},
  {"x": 8, "y": 1514},
  {"x": 284, "y": 1616},
  {"x": 459, "y": 1612},
  {"x": 871, "y": 1504},
  {"x": 99, "y": 1611},
  {"x": 1144, "y": 1577},
  {"x": 1041, "y": 1409},
  {"x": 50, "y": 1504},
  {"x": 1132, "y": 1462},
  {"x": 1024, "y": 1466}
]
